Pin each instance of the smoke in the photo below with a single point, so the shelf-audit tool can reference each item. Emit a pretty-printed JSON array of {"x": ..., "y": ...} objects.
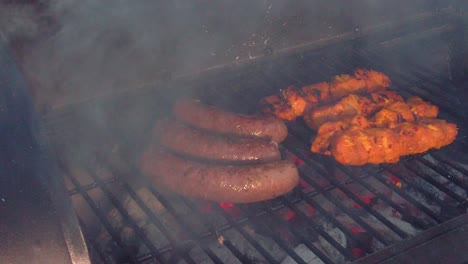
[
  {"x": 100, "y": 46},
  {"x": 16, "y": 21},
  {"x": 93, "y": 48}
]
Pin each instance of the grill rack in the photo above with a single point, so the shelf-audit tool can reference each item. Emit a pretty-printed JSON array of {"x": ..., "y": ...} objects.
[{"x": 430, "y": 89}]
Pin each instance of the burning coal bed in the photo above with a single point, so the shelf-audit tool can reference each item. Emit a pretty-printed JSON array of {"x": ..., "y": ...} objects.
[{"x": 326, "y": 215}]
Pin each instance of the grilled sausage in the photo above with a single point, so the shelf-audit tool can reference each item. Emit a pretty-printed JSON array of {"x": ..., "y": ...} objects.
[
  {"x": 214, "y": 119},
  {"x": 197, "y": 143},
  {"x": 235, "y": 184}
]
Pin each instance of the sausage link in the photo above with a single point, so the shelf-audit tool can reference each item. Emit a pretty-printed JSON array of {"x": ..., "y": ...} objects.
[
  {"x": 214, "y": 119},
  {"x": 201, "y": 144},
  {"x": 235, "y": 184}
]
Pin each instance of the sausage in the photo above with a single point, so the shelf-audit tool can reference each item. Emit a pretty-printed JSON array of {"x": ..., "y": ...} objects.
[
  {"x": 198, "y": 143},
  {"x": 214, "y": 119},
  {"x": 220, "y": 183}
]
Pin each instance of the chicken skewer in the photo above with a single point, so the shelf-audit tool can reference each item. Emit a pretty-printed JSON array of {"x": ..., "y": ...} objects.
[{"x": 293, "y": 102}]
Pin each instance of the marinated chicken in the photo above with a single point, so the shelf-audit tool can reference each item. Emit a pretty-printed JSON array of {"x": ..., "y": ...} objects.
[
  {"x": 321, "y": 143},
  {"x": 422, "y": 108},
  {"x": 346, "y": 108},
  {"x": 384, "y": 109},
  {"x": 358, "y": 130},
  {"x": 359, "y": 121},
  {"x": 359, "y": 146},
  {"x": 293, "y": 102}
]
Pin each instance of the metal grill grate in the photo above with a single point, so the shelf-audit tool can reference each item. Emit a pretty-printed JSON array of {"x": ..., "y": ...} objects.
[{"x": 337, "y": 214}]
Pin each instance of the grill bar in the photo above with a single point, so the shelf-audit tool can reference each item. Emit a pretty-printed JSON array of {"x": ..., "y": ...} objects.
[
  {"x": 444, "y": 173},
  {"x": 452, "y": 165},
  {"x": 306, "y": 241},
  {"x": 150, "y": 214},
  {"x": 114, "y": 234},
  {"x": 338, "y": 204},
  {"x": 323, "y": 233},
  {"x": 407, "y": 197},
  {"x": 127, "y": 218},
  {"x": 237, "y": 227},
  {"x": 96, "y": 248},
  {"x": 179, "y": 219},
  {"x": 355, "y": 240},
  {"x": 439, "y": 186},
  {"x": 91, "y": 186},
  {"x": 418, "y": 223},
  {"x": 430, "y": 196},
  {"x": 376, "y": 214}
]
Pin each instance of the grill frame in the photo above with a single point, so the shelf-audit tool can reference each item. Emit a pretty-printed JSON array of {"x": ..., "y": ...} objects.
[{"x": 369, "y": 57}]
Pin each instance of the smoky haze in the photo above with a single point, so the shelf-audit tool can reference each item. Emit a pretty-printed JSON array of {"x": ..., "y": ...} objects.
[
  {"x": 97, "y": 48},
  {"x": 102, "y": 46}
]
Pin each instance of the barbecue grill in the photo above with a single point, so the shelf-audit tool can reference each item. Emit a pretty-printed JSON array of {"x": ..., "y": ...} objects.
[{"x": 413, "y": 211}]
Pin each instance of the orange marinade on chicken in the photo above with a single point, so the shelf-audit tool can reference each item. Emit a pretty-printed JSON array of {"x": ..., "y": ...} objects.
[
  {"x": 387, "y": 145},
  {"x": 321, "y": 142},
  {"x": 300, "y": 100},
  {"x": 276, "y": 105},
  {"x": 352, "y": 105},
  {"x": 393, "y": 114},
  {"x": 317, "y": 93},
  {"x": 363, "y": 81},
  {"x": 422, "y": 108},
  {"x": 392, "y": 111},
  {"x": 348, "y": 106},
  {"x": 295, "y": 100},
  {"x": 384, "y": 108}
]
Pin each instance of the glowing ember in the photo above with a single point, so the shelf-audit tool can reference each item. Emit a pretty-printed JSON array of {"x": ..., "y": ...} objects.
[
  {"x": 226, "y": 205},
  {"x": 305, "y": 185},
  {"x": 230, "y": 208},
  {"x": 297, "y": 161},
  {"x": 395, "y": 180},
  {"x": 289, "y": 215},
  {"x": 367, "y": 199},
  {"x": 357, "y": 252},
  {"x": 310, "y": 209},
  {"x": 357, "y": 230}
]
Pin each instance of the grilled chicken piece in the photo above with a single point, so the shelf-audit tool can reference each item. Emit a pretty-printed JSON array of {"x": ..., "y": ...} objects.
[
  {"x": 346, "y": 108},
  {"x": 393, "y": 114},
  {"x": 384, "y": 109},
  {"x": 317, "y": 93},
  {"x": 295, "y": 100},
  {"x": 352, "y": 105},
  {"x": 276, "y": 105},
  {"x": 299, "y": 101},
  {"x": 363, "y": 81},
  {"x": 386, "y": 145},
  {"x": 383, "y": 98},
  {"x": 422, "y": 108},
  {"x": 321, "y": 142}
]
